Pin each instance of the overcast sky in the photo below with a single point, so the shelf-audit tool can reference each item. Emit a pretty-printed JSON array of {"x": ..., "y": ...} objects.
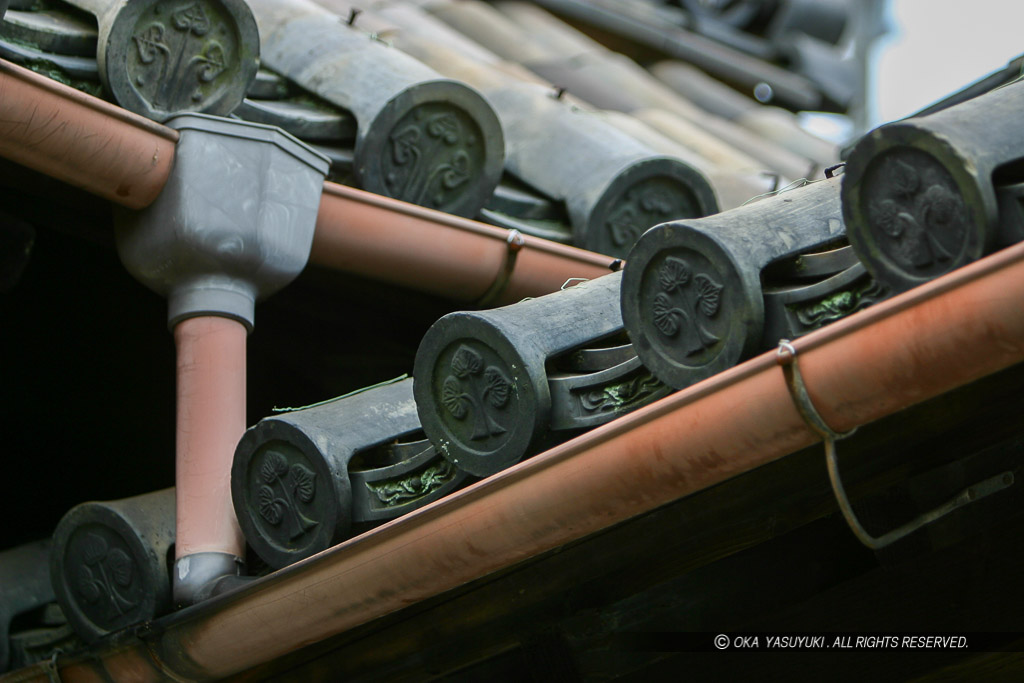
[{"x": 940, "y": 46}]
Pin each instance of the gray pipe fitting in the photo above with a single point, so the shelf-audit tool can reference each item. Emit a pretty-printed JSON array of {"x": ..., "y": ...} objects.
[
  {"x": 233, "y": 224},
  {"x": 160, "y": 58},
  {"x": 201, "y": 576}
]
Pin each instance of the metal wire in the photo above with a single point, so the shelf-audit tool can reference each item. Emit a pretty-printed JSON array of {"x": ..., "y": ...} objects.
[{"x": 787, "y": 357}]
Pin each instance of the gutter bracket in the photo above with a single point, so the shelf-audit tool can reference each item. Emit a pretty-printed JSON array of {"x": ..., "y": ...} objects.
[
  {"x": 514, "y": 243},
  {"x": 787, "y": 358}
]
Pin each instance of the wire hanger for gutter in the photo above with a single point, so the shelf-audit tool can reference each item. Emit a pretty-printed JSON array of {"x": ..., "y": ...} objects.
[{"x": 787, "y": 358}]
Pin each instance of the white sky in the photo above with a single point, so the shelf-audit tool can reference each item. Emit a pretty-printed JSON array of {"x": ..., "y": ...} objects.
[{"x": 940, "y": 46}]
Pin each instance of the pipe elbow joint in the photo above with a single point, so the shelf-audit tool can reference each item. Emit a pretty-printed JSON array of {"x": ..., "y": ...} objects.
[{"x": 201, "y": 576}]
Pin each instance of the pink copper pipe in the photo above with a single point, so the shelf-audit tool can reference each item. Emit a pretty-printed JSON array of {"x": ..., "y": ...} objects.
[
  {"x": 918, "y": 345},
  {"x": 210, "y": 421},
  {"x": 82, "y": 140}
]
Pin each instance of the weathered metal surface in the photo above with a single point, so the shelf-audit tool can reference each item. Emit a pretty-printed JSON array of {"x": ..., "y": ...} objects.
[
  {"x": 383, "y": 238},
  {"x": 49, "y": 127},
  {"x": 421, "y": 138},
  {"x": 489, "y": 389},
  {"x": 161, "y": 58},
  {"x": 293, "y": 482},
  {"x": 692, "y": 297},
  {"x": 24, "y": 586},
  {"x": 687, "y": 442},
  {"x": 920, "y": 195},
  {"x": 109, "y": 563}
]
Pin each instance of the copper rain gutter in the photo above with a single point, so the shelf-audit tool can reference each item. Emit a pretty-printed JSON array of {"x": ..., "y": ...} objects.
[
  {"x": 107, "y": 151},
  {"x": 128, "y": 159},
  {"x": 923, "y": 343},
  {"x": 385, "y": 239},
  {"x": 82, "y": 140}
]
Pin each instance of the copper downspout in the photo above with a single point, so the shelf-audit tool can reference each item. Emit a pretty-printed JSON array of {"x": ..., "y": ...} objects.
[
  {"x": 125, "y": 158},
  {"x": 918, "y": 345},
  {"x": 210, "y": 421}
]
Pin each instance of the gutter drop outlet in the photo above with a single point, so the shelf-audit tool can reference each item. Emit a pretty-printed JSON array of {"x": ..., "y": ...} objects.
[{"x": 234, "y": 223}]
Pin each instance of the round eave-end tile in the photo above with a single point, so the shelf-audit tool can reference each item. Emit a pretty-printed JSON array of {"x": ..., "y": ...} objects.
[
  {"x": 688, "y": 309},
  {"x": 475, "y": 396},
  {"x": 914, "y": 208},
  {"x": 285, "y": 495},
  {"x": 438, "y": 144},
  {"x": 104, "y": 577},
  {"x": 162, "y": 58},
  {"x": 647, "y": 193}
]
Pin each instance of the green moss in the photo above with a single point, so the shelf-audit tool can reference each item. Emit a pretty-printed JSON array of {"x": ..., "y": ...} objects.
[
  {"x": 402, "y": 490},
  {"x": 840, "y": 302},
  {"x": 839, "y": 305},
  {"x": 50, "y": 70}
]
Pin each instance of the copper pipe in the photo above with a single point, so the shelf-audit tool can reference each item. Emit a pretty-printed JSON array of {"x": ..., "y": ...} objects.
[
  {"x": 82, "y": 140},
  {"x": 918, "y": 345},
  {"x": 125, "y": 158},
  {"x": 210, "y": 421},
  {"x": 386, "y": 239}
]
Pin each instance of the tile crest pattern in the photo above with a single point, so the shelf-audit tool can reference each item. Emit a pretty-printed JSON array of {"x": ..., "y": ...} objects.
[{"x": 178, "y": 51}]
